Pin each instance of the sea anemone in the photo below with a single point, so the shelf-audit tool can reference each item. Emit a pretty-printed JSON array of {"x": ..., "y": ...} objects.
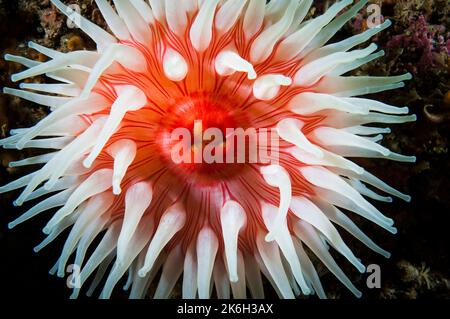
[{"x": 226, "y": 64}]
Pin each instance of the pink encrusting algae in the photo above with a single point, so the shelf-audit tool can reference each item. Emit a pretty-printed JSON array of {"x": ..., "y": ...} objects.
[{"x": 229, "y": 64}]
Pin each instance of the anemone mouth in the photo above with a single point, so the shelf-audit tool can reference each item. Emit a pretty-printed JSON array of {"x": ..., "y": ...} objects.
[
  {"x": 213, "y": 110},
  {"x": 207, "y": 121}
]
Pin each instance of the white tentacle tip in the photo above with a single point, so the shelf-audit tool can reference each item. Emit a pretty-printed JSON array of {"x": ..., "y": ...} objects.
[
  {"x": 270, "y": 170},
  {"x": 18, "y": 202},
  {"x": 270, "y": 237},
  {"x": 361, "y": 268},
  {"x": 74, "y": 295},
  {"x": 386, "y": 254},
  {"x": 252, "y": 75},
  {"x": 175, "y": 66},
  {"x": 11, "y": 225},
  {"x": 291, "y": 130},
  {"x": 143, "y": 272},
  {"x": 234, "y": 278},
  {"x": 229, "y": 62},
  {"x": 117, "y": 190},
  {"x": 393, "y": 230},
  {"x": 20, "y": 145},
  {"x": 268, "y": 86},
  {"x": 87, "y": 163},
  {"x": 47, "y": 230}
]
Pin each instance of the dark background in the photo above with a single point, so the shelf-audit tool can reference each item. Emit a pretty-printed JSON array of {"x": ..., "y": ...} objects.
[{"x": 418, "y": 42}]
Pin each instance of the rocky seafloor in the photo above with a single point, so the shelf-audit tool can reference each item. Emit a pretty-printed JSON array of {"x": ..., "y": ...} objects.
[{"x": 418, "y": 42}]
